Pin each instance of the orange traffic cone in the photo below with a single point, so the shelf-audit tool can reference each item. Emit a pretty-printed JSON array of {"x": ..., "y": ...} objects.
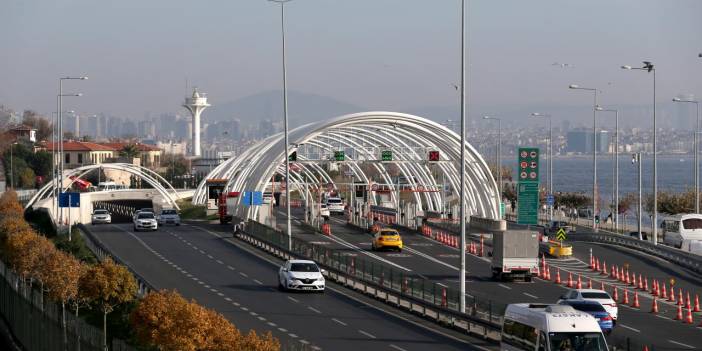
[
  {"x": 626, "y": 297},
  {"x": 645, "y": 287},
  {"x": 656, "y": 288},
  {"x": 654, "y": 305},
  {"x": 645, "y": 348},
  {"x": 548, "y": 272},
  {"x": 570, "y": 280},
  {"x": 614, "y": 273},
  {"x": 697, "y": 304},
  {"x": 580, "y": 283},
  {"x": 633, "y": 280},
  {"x": 627, "y": 278},
  {"x": 604, "y": 268},
  {"x": 671, "y": 296},
  {"x": 558, "y": 276},
  {"x": 688, "y": 305},
  {"x": 636, "y": 300},
  {"x": 589, "y": 283},
  {"x": 679, "y": 315},
  {"x": 640, "y": 286},
  {"x": 688, "y": 317},
  {"x": 602, "y": 285},
  {"x": 616, "y": 294},
  {"x": 664, "y": 292},
  {"x": 680, "y": 297}
]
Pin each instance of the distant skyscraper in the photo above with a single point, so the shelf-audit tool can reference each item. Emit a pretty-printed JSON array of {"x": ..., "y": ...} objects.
[{"x": 580, "y": 141}]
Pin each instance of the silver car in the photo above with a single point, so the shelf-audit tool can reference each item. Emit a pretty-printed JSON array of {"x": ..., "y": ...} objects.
[
  {"x": 169, "y": 216},
  {"x": 301, "y": 275},
  {"x": 101, "y": 216},
  {"x": 145, "y": 221}
]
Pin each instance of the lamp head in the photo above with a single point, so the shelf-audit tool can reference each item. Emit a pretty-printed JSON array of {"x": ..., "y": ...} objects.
[
  {"x": 535, "y": 114},
  {"x": 677, "y": 99},
  {"x": 599, "y": 108},
  {"x": 573, "y": 86},
  {"x": 84, "y": 78},
  {"x": 626, "y": 67},
  {"x": 486, "y": 117}
]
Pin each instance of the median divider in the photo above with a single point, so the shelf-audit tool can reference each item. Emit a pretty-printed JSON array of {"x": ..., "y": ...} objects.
[{"x": 391, "y": 286}]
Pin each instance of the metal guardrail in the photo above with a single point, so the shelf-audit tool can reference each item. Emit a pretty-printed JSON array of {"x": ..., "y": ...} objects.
[
  {"x": 101, "y": 251},
  {"x": 393, "y": 287}
]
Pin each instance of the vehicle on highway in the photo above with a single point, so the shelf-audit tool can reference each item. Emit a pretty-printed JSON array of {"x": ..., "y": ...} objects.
[
  {"x": 145, "y": 221},
  {"x": 542, "y": 327},
  {"x": 515, "y": 254},
  {"x": 595, "y": 309},
  {"x": 596, "y": 295},
  {"x": 146, "y": 209},
  {"x": 555, "y": 226},
  {"x": 335, "y": 205},
  {"x": 301, "y": 275},
  {"x": 169, "y": 216},
  {"x": 324, "y": 211},
  {"x": 387, "y": 238},
  {"x": 680, "y": 230},
  {"x": 101, "y": 216}
]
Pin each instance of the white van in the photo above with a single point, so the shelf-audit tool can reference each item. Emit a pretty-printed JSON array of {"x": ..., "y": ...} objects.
[
  {"x": 680, "y": 230},
  {"x": 543, "y": 327}
]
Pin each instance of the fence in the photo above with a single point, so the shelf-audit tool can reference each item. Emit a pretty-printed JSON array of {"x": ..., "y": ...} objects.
[
  {"x": 435, "y": 301},
  {"x": 36, "y": 323}
]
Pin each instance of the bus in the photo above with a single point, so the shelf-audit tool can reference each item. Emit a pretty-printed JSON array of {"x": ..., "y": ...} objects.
[
  {"x": 681, "y": 230},
  {"x": 106, "y": 186},
  {"x": 547, "y": 327}
]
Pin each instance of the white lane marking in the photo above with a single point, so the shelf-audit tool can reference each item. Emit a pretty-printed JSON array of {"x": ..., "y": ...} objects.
[
  {"x": 314, "y": 309},
  {"x": 272, "y": 324},
  {"x": 356, "y": 248},
  {"x": 220, "y": 262},
  {"x": 444, "y": 285},
  {"x": 244, "y": 308},
  {"x": 235, "y": 304},
  {"x": 253, "y": 313},
  {"x": 340, "y": 322},
  {"x": 258, "y": 282},
  {"x": 505, "y": 286},
  {"x": 367, "y": 334},
  {"x": 227, "y": 299},
  {"x": 243, "y": 274},
  {"x": 230, "y": 267},
  {"x": 283, "y": 330},
  {"x": 210, "y": 257},
  {"x": 220, "y": 294},
  {"x": 294, "y": 336},
  {"x": 207, "y": 286},
  {"x": 305, "y": 342},
  {"x": 628, "y": 327},
  {"x": 292, "y": 299},
  {"x": 681, "y": 344},
  {"x": 393, "y": 346},
  {"x": 530, "y": 295}
]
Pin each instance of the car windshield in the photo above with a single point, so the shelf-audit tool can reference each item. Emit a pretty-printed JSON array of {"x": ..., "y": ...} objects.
[
  {"x": 323, "y": 206},
  {"x": 334, "y": 201},
  {"x": 388, "y": 233},
  {"x": 101, "y": 212},
  {"x": 595, "y": 295},
  {"x": 304, "y": 267},
  {"x": 588, "y": 307},
  {"x": 168, "y": 212},
  {"x": 577, "y": 342},
  {"x": 146, "y": 215},
  {"x": 147, "y": 210}
]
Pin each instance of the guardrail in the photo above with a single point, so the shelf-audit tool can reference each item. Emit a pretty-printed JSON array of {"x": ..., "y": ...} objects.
[
  {"x": 417, "y": 295},
  {"x": 101, "y": 251}
]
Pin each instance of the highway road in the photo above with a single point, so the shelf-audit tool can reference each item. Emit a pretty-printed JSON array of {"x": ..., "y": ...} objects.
[
  {"x": 203, "y": 262},
  {"x": 438, "y": 263}
]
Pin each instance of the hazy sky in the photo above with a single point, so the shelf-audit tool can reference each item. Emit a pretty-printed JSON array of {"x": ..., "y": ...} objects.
[{"x": 379, "y": 54}]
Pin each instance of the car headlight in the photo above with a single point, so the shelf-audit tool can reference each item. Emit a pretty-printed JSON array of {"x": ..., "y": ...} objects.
[{"x": 320, "y": 279}]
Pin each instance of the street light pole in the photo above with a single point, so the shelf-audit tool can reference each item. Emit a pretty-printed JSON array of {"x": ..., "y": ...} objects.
[
  {"x": 462, "y": 214},
  {"x": 285, "y": 121},
  {"x": 594, "y": 153},
  {"x": 550, "y": 159},
  {"x": 697, "y": 148},
  {"x": 648, "y": 66},
  {"x": 636, "y": 158},
  {"x": 615, "y": 181}
]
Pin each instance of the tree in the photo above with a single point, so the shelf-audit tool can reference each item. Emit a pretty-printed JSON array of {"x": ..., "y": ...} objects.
[
  {"x": 39, "y": 122},
  {"x": 130, "y": 151},
  {"x": 109, "y": 285},
  {"x": 41, "y": 164},
  {"x": 9, "y": 205},
  {"x": 60, "y": 274},
  {"x": 670, "y": 203},
  {"x": 27, "y": 178},
  {"x": 253, "y": 342}
]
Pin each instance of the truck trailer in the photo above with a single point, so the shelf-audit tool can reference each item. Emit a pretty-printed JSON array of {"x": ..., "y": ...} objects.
[{"x": 515, "y": 254}]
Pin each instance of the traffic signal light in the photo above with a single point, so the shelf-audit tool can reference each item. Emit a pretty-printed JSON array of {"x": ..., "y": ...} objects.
[
  {"x": 293, "y": 156},
  {"x": 434, "y": 156}
]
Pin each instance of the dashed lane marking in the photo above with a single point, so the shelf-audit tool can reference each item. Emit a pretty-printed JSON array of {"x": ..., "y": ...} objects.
[
  {"x": 367, "y": 334},
  {"x": 505, "y": 286},
  {"x": 314, "y": 309},
  {"x": 340, "y": 322},
  {"x": 292, "y": 299},
  {"x": 244, "y": 274},
  {"x": 681, "y": 344},
  {"x": 530, "y": 295},
  {"x": 630, "y": 328},
  {"x": 393, "y": 346}
]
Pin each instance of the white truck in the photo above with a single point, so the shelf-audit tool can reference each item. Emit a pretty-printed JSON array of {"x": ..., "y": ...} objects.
[{"x": 515, "y": 254}]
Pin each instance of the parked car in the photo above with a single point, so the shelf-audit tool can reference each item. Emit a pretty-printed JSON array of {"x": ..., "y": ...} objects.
[
  {"x": 301, "y": 275},
  {"x": 387, "y": 238},
  {"x": 101, "y": 216},
  {"x": 169, "y": 216},
  {"x": 595, "y": 309},
  {"x": 596, "y": 295},
  {"x": 145, "y": 221}
]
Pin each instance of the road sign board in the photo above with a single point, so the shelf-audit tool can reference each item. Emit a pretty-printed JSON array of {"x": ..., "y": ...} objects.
[
  {"x": 528, "y": 164},
  {"x": 434, "y": 156},
  {"x": 252, "y": 198},
  {"x": 502, "y": 209},
  {"x": 550, "y": 200},
  {"x": 561, "y": 234},
  {"x": 69, "y": 200},
  {"x": 528, "y": 203},
  {"x": 386, "y": 155},
  {"x": 339, "y": 155}
]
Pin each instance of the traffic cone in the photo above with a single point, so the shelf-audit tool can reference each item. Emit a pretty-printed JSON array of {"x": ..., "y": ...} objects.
[
  {"x": 622, "y": 276},
  {"x": 604, "y": 268},
  {"x": 580, "y": 282},
  {"x": 589, "y": 283},
  {"x": 626, "y": 297},
  {"x": 616, "y": 294},
  {"x": 592, "y": 264},
  {"x": 640, "y": 282},
  {"x": 697, "y": 304},
  {"x": 627, "y": 278},
  {"x": 636, "y": 300},
  {"x": 570, "y": 280},
  {"x": 558, "y": 276},
  {"x": 614, "y": 273},
  {"x": 655, "y": 291},
  {"x": 664, "y": 292},
  {"x": 645, "y": 286},
  {"x": 679, "y": 315},
  {"x": 680, "y": 297},
  {"x": 688, "y": 317},
  {"x": 654, "y": 305},
  {"x": 602, "y": 287},
  {"x": 671, "y": 296},
  {"x": 645, "y": 348},
  {"x": 548, "y": 272}
]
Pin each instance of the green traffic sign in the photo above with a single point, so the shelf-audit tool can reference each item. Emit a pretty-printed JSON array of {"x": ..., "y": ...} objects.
[
  {"x": 386, "y": 155},
  {"x": 293, "y": 156},
  {"x": 528, "y": 203},
  {"x": 561, "y": 234},
  {"x": 528, "y": 158},
  {"x": 339, "y": 155}
]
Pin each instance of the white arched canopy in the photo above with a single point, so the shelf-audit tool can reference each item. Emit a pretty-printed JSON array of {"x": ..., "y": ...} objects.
[
  {"x": 363, "y": 136},
  {"x": 149, "y": 176}
]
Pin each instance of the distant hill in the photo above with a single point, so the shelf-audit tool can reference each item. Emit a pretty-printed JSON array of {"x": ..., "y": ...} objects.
[{"x": 302, "y": 108}]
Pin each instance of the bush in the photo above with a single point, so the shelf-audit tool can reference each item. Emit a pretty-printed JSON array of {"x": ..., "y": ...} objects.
[
  {"x": 75, "y": 247},
  {"x": 190, "y": 211}
]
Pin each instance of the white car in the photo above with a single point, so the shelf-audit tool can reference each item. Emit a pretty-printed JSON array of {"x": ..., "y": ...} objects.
[
  {"x": 169, "y": 216},
  {"x": 324, "y": 211},
  {"x": 300, "y": 275},
  {"x": 100, "y": 216},
  {"x": 145, "y": 221},
  {"x": 597, "y": 295},
  {"x": 335, "y": 205}
]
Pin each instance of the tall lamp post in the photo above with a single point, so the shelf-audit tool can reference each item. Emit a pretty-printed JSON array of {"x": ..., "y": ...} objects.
[
  {"x": 594, "y": 153},
  {"x": 550, "y": 159},
  {"x": 497, "y": 152},
  {"x": 648, "y": 66},
  {"x": 636, "y": 158},
  {"x": 615, "y": 181},
  {"x": 462, "y": 214},
  {"x": 285, "y": 121},
  {"x": 60, "y": 164},
  {"x": 697, "y": 148}
]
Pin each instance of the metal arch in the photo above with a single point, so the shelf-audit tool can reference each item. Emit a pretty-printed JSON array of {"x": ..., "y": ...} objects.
[
  {"x": 258, "y": 163},
  {"x": 125, "y": 167}
]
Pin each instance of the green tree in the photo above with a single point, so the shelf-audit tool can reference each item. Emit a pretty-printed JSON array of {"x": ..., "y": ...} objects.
[
  {"x": 27, "y": 178},
  {"x": 129, "y": 150},
  {"x": 572, "y": 200},
  {"x": 39, "y": 122},
  {"x": 41, "y": 164}
]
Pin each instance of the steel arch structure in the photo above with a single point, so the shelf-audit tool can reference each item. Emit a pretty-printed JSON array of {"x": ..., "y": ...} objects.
[
  {"x": 361, "y": 135},
  {"x": 149, "y": 176}
]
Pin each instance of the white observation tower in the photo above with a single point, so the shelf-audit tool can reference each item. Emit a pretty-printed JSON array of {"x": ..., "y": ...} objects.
[{"x": 196, "y": 104}]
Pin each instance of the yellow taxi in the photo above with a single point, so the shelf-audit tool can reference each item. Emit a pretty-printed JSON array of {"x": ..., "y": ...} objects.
[{"x": 387, "y": 238}]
